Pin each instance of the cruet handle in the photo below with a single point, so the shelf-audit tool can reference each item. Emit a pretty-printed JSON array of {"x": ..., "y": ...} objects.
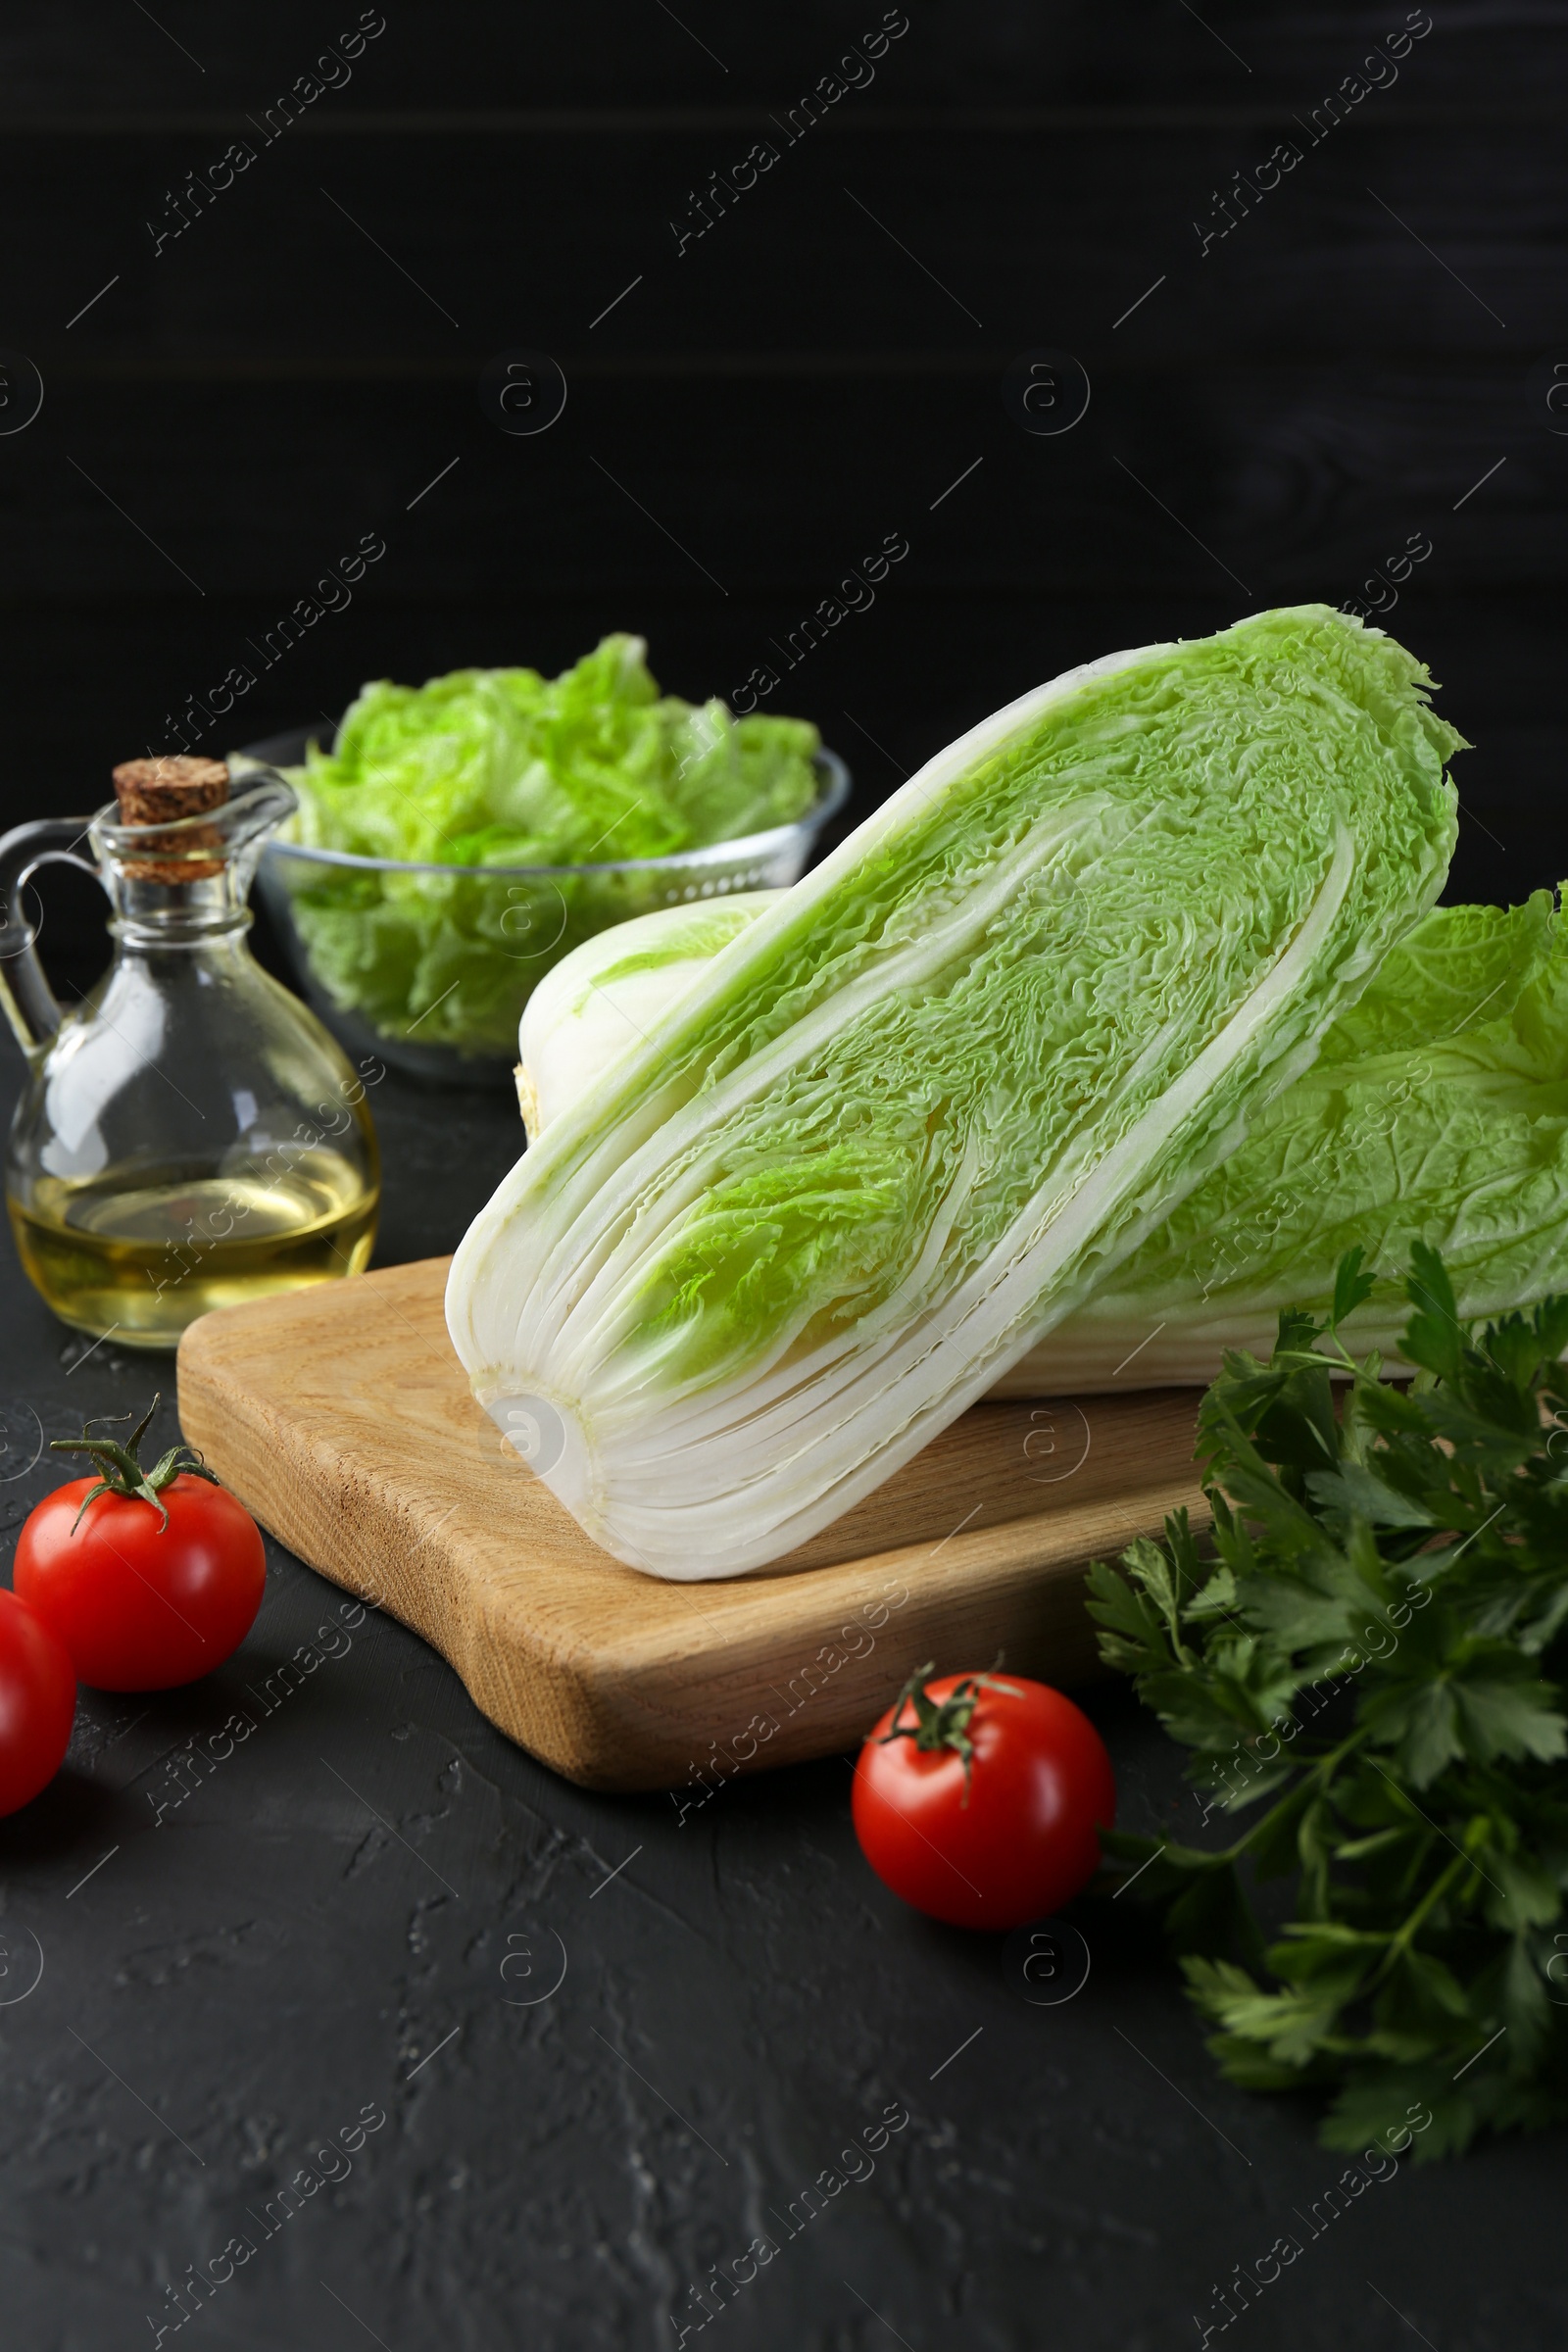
[{"x": 29, "y": 999}]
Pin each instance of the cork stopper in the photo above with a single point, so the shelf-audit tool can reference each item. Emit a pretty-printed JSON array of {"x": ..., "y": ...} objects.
[
  {"x": 162, "y": 791},
  {"x": 159, "y": 792}
]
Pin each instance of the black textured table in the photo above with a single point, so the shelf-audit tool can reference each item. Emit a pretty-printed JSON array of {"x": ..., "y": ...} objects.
[{"x": 353, "y": 2012}]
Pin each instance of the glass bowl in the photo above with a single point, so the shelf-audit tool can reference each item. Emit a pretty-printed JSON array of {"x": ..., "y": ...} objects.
[{"x": 429, "y": 966}]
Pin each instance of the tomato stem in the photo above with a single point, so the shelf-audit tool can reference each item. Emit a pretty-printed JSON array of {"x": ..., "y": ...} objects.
[
  {"x": 944, "y": 1724},
  {"x": 121, "y": 1473}
]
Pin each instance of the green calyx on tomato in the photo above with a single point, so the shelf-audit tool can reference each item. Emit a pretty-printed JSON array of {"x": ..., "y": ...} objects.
[
  {"x": 119, "y": 1472},
  {"x": 944, "y": 1724}
]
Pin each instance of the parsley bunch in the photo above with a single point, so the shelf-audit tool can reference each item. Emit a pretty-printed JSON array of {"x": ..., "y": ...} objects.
[{"x": 1368, "y": 1657}]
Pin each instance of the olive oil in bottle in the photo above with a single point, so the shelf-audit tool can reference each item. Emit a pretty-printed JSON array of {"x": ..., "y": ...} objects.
[
  {"x": 190, "y": 1135},
  {"x": 140, "y": 1262}
]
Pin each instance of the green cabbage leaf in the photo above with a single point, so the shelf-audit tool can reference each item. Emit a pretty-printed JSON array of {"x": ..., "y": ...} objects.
[{"x": 915, "y": 1114}]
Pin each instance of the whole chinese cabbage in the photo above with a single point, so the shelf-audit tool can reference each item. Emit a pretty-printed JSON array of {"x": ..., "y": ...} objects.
[
  {"x": 609, "y": 992},
  {"x": 912, "y": 1117},
  {"x": 1437, "y": 1113}
]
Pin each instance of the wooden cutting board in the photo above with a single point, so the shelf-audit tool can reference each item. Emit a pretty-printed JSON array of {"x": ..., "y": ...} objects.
[{"x": 341, "y": 1417}]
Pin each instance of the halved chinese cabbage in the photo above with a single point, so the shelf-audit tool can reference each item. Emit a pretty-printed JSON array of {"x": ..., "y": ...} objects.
[
  {"x": 912, "y": 1117},
  {"x": 1437, "y": 1111}
]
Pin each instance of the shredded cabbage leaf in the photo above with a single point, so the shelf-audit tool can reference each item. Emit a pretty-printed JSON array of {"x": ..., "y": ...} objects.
[
  {"x": 502, "y": 768},
  {"x": 909, "y": 1119},
  {"x": 506, "y": 768}
]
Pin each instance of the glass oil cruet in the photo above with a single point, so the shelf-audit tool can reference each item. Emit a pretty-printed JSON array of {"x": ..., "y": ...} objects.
[{"x": 189, "y": 1136}]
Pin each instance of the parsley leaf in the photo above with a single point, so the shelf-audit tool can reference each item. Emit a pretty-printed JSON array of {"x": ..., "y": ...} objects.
[{"x": 1367, "y": 1662}]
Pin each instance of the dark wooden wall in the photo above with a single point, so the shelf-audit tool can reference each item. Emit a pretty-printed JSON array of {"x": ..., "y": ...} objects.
[{"x": 1285, "y": 410}]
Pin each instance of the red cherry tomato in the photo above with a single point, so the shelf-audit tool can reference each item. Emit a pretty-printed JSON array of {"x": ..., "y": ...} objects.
[
  {"x": 141, "y": 1607},
  {"x": 37, "y": 1704},
  {"x": 1003, "y": 1836}
]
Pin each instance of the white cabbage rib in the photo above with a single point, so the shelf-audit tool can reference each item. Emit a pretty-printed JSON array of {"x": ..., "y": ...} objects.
[{"x": 906, "y": 1120}]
